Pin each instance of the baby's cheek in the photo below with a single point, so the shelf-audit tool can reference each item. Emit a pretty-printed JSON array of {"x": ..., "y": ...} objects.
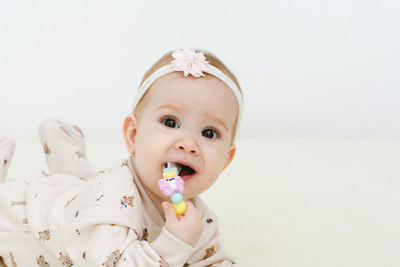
[{"x": 220, "y": 160}]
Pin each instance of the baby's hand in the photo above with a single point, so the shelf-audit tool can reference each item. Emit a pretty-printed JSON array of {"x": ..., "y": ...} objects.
[{"x": 187, "y": 227}]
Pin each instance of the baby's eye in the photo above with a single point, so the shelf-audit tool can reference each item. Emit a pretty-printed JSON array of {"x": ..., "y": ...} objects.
[
  {"x": 210, "y": 133},
  {"x": 170, "y": 122}
]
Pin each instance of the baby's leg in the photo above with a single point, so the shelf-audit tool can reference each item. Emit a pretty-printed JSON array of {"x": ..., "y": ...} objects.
[
  {"x": 65, "y": 150},
  {"x": 7, "y": 146}
]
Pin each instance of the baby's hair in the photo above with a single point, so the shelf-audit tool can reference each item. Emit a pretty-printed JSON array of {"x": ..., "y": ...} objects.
[{"x": 167, "y": 58}]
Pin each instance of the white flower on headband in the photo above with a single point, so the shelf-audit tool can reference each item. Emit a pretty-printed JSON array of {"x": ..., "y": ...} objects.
[{"x": 190, "y": 62}]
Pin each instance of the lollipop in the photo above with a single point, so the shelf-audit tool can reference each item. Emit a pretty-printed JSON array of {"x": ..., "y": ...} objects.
[{"x": 172, "y": 185}]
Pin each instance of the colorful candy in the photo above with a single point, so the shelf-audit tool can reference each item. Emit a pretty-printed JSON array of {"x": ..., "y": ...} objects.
[{"x": 172, "y": 185}]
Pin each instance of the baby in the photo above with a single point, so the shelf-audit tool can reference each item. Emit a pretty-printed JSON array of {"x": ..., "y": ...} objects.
[{"x": 186, "y": 113}]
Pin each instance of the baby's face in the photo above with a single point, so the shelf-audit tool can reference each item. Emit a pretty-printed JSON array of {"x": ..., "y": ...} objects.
[{"x": 189, "y": 121}]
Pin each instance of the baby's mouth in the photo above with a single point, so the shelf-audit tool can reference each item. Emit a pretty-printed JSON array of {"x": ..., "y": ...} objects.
[{"x": 184, "y": 171}]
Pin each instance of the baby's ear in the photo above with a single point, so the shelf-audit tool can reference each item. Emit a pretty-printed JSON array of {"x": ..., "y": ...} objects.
[
  {"x": 230, "y": 155},
  {"x": 129, "y": 130}
]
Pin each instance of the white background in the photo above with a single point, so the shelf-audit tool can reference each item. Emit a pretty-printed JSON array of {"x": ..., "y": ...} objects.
[{"x": 313, "y": 68}]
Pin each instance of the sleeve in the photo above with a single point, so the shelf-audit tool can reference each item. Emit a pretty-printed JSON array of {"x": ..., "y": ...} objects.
[
  {"x": 210, "y": 250},
  {"x": 90, "y": 225},
  {"x": 115, "y": 245},
  {"x": 212, "y": 254}
]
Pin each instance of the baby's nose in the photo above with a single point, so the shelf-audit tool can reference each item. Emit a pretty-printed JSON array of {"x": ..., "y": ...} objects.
[{"x": 188, "y": 146}]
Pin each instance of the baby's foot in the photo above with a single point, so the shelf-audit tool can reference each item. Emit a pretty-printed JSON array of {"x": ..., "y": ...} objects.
[
  {"x": 64, "y": 147},
  {"x": 7, "y": 147}
]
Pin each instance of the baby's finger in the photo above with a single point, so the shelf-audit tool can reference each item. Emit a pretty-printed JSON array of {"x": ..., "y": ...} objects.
[
  {"x": 190, "y": 208},
  {"x": 168, "y": 211}
]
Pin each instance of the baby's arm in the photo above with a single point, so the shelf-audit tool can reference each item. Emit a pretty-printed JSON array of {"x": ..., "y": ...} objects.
[
  {"x": 103, "y": 236},
  {"x": 121, "y": 244},
  {"x": 189, "y": 228},
  {"x": 209, "y": 249},
  {"x": 212, "y": 254},
  {"x": 88, "y": 226},
  {"x": 108, "y": 245}
]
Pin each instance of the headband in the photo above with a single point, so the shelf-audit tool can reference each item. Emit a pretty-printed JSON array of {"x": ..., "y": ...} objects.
[{"x": 190, "y": 62}]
